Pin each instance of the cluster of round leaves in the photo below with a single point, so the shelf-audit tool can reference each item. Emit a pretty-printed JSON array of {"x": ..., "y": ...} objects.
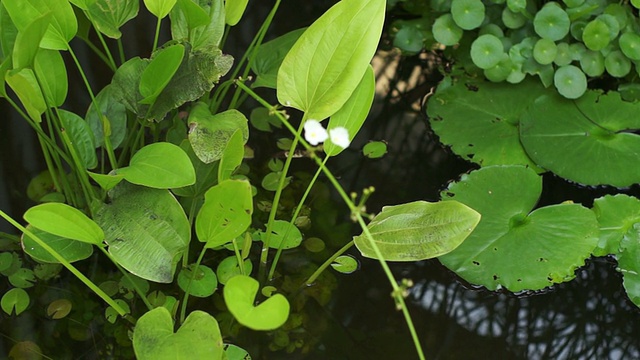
[{"x": 563, "y": 43}]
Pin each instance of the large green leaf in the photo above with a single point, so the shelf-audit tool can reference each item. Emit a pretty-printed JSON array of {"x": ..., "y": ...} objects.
[
  {"x": 354, "y": 112},
  {"x": 160, "y": 165},
  {"x": 233, "y": 11},
  {"x": 589, "y": 140},
  {"x": 479, "y": 120},
  {"x": 109, "y": 15},
  {"x": 25, "y": 85},
  {"x": 512, "y": 246},
  {"x": 210, "y": 134},
  {"x": 198, "y": 338},
  {"x": 616, "y": 216},
  {"x": 146, "y": 230},
  {"x": 418, "y": 230},
  {"x": 63, "y": 25},
  {"x": 52, "y": 76},
  {"x": 27, "y": 42},
  {"x": 328, "y": 61},
  {"x": 269, "y": 57},
  {"x": 629, "y": 262},
  {"x": 199, "y": 70},
  {"x": 156, "y": 76},
  {"x": 70, "y": 250},
  {"x": 201, "y": 23},
  {"x": 226, "y": 212},
  {"x": 113, "y": 111},
  {"x": 66, "y": 221},
  {"x": 159, "y": 8},
  {"x": 239, "y": 295},
  {"x": 81, "y": 137}
]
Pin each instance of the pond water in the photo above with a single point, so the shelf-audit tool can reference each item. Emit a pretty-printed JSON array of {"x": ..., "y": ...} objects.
[{"x": 587, "y": 318}]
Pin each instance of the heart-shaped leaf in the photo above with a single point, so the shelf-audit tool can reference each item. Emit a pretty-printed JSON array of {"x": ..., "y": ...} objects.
[
  {"x": 418, "y": 230},
  {"x": 479, "y": 120},
  {"x": 65, "y": 221},
  {"x": 209, "y": 134},
  {"x": 15, "y": 300},
  {"x": 589, "y": 140},
  {"x": 283, "y": 235},
  {"x": 513, "y": 246},
  {"x": 239, "y": 295},
  {"x": 146, "y": 229},
  {"x": 198, "y": 338},
  {"x": 159, "y": 165}
]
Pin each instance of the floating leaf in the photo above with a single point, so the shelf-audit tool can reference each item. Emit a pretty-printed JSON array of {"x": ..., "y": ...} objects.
[
  {"x": 59, "y": 309},
  {"x": 616, "y": 217},
  {"x": 283, "y": 235},
  {"x": 23, "y": 278},
  {"x": 200, "y": 283},
  {"x": 596, "y": 35},
  {"x": 588, "y": 140},
  {"x": 345, "y": 264},
  {"x": 375, "y": 149},
  {"x": 226, "y": 212},
  {"x": 552, "y": 22},
  {"x": 146, "y": 230},
  {"x": 229, "y": 268},
  {"x": 70, "y": 250},
  {"x": 239, "y": 295},
  {"x": 628, "y": 263},
  {"x": 479, "y": 120},
  {"x": 468, "y": 14},
  {"x": 199, "y": 337},
  {"x": 512, "y": 246},
  {"x": 570, "y": 81},
  {"x": 617, "y": 64},
  {"x": 234, "y": 352},
  {"x": 65, "y": 221},
  {"x": 486, "y": 51},
  {"x": 418, "y": 230},
  {"x": 326, "y": 64},
  {"x": 446, "y": 31},
  {"x": 15, "y": 301},
  {"x": 209, "y": 134},
  {"x": 159, "y": 165}
]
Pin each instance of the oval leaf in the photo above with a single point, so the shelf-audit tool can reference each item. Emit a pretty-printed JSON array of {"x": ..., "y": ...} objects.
[
  {"x": 81, "y": 137},
  {"x": 325, "y": 65},
  {"x": 418, "y": 230},
  {"x": 200, "y": 283},
  {"x": 158, "y": 73},
  {"x": 65, "y": 221},
  {"x": 284, "y": 235},
  {"x": 160, "y": 165},
  {"x": 70, "y": 250},
  {"x": 239, "y": 295}
]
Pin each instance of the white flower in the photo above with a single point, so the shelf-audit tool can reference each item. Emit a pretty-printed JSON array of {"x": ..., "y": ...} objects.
[
  {"x": 340, "y": 136},
  {"x": 314, "y": 133}
]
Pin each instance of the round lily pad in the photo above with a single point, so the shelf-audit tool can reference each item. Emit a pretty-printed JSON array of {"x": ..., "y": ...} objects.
[
  {"x": 468, "y": 14},
  {"x": 445, "y": 30},
  {"x": 551, "y": 22},
  {"x": 589, "y": 140},
  {"x": 486, "y": 51},
  {"x": 616, "y": 216},
  {"x": 479, "y": 120},
  {"x": 514, "y": 247}
]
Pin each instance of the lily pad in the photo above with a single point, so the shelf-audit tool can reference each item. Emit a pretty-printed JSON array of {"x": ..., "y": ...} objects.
[
  {"x": 479, "y": 120},
  {"x": 283, "y": 235},
  {"x": 146, "y": 229},
  {"x": 239, "y": 295},
  {"x": 199, "y": 337},
  {"x": 200, "y": 283},
  {"x": 628, "y": 263},
  {"x": 514, "y": 247},
  {"x": 15, "y": 300},
  {"x": 589, "y": 140},
  {"x": 616, "y": 216},
  {"x": 418, "y": 230}
]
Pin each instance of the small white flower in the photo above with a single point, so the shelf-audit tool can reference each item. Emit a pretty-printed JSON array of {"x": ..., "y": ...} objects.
[
  {"x": 314, "y": 133},
  {"x": 340, "y": 136}
]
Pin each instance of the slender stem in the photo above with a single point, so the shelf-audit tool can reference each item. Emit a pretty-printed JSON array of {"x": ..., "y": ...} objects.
[
  {"x": 126, "y": 274},
  {"x": 326, "y": 264},
  {"x": 111, "y": 62},
  {"x": 185, "y": 298},
  {"x": 121, "y": 51},
  {"x": 69, "y": 266},
  {"x": 157, "y": 35}
]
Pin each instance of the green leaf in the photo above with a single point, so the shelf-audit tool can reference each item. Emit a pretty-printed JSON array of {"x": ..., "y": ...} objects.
[
  {"x": 106, "y": 182},
  {"x": 209, "y": 134},
  {"x": 65, "y": 221},
  {"x": 354, "y": 112},
  {"x": 418, "y": 230},
  {"x": 63, "y": 25},
  {"x": 25, "y": 85},
  {"x": 234, "y": 10},
  {"x": 552, "y": 22},
  {"x": 199, "y": 283},
  {"x": 159, "y": 165},
  {"x": 226, "y": 212},
  {"x": 589, "y": 140},
  {"x": 486, "y": 51},
  {"x": 199, "y": 337},
  {"x": 15, "y": 300},
  {"x": 616, "y": 216},
  {"x": 446, "y": 31},
  {"x": 146, "y": 230},
  {"x": 468, "y": 14},
  {"x": 81, "y": 137},
  {"x": 27, "y": 42},
  {"x": 109, "y": 15},
  {"x": 52, "y": 76},
  {"x": 328, "y": 61},
  {"x": 345, "y": 264},
  {"x": 234, "y": 352},
  {"x": 114, "y": 112},
  {"x": 269, "y": 57},
  {"x": 628, "y": 263},
  {"x": 514, "y": 247},
  {"x": 284, "y": 235},
  {"x": 229, "y": 268},
  {"x": 570, "y": 81},
  {"x": 239, "y": 295},
  {"x": 375, "y": 149},
  {"x": 206, "y": 174},
  {"x": 159, "y": 8},
  {"x": 156, "y": 76},
  {"x": 23, "y": 278},
  {"x": 479, "y": 120},
  {"x": 231, "y": 156},
  {"x": 70, "y": 250},
  {"x": 201, "y": 23}
]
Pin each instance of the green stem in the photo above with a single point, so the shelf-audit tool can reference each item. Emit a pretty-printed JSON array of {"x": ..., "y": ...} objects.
[
  {"x": 70, "y": 267},
  {"x": 326, "y": 264},
  {"x": 185, "y": 298},
  {"x": 111, "y": 62},
  {"x": 156, "y": 36},
  {"x": 126, "y": 274}
]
